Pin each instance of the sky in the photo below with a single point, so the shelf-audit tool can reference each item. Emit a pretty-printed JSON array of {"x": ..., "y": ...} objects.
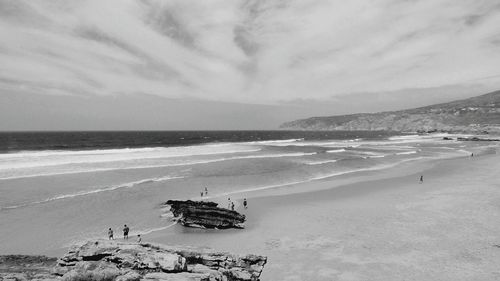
[{"x": 279, "y": 59}]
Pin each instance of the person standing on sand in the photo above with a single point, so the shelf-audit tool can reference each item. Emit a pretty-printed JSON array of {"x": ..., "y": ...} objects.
[
  {"x": 232, "y": 206},
  {"x": 245, "y": 203},
  {"x": 201, "y": 193},
  {"x": 229, "y": 203},
  {"x": 206, "y": 191},
  {"x": 125, "y": 232},
  {"x": 110, "y": 234},
  {"x": 421, "y": 179},
  {"x": 139, "y": 238}
]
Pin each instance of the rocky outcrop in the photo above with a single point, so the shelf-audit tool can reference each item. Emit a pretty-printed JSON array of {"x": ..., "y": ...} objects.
[
  {"x": 476, "y": 115},
  {"x": 23, "y": 267},
  {"x": 130, "y": 261},
  {"x": 205, "y": 214},
  {"x": 476, "y": 139},
  {"x": 105, "y": 260}
]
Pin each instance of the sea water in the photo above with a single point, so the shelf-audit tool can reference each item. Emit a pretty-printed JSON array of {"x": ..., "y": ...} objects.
[{"x": 58, "y": 188}]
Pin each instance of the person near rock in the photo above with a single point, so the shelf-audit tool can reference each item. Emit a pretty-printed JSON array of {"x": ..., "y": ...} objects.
[
  {"x": 245, "y": 203},
  {"x": 421, "y": 178},
  {"x": 125, "y": 232},
  {"x": 139, "y": 239},
  {"x": 229, "y": 203},
  {"x": 206, "y": 191},
  {"x": 232, "y": 206},
  {"x": 110, "y": 234}
]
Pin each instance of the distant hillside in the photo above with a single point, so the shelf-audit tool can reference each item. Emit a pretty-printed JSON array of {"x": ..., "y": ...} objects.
[{"x": 475, "y": 114}]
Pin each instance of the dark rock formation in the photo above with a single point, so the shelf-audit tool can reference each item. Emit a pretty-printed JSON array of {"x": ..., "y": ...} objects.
[
  {"x": 22, "y": 267},
  {"x": 105, "y": 260},
  {"x": 205, "y": 214},
  {"x": 476, "y": 139},
  {"x": 478, "y": 115}
]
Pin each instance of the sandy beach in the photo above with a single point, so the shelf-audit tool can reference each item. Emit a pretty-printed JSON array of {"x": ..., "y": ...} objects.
[
  {"x": 361, "y": 214},
  {"x": 384, "y": 227}
]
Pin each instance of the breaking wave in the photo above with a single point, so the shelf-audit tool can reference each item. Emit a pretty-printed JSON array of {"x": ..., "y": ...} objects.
[
  {"x": 93, "y": 191},
  {"x": 188, "y": 163},
  {"x": 321, "y": 162},
  {"x": 335, "y": 150},
  {"x": 406, "y": 152}
]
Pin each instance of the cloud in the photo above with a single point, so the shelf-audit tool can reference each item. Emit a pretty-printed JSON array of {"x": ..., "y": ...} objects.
[{"x": 247, "y": 51}]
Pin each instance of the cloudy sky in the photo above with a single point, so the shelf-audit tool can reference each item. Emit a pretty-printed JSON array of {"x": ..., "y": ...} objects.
[{"x": 297, "y": 58}]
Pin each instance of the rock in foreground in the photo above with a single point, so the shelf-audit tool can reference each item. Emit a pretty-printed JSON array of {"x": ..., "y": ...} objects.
[
  {"x": 205, "y": 214},
  {"x": 23, "y": 267},
  {"x": 105, "y": 260},
  {"x": 109, "y": 260}
]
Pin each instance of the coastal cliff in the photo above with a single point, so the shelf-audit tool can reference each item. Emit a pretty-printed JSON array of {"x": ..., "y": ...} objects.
[
  {"x": 105, "y": 260},
  {"x": 477, "y": 114}
]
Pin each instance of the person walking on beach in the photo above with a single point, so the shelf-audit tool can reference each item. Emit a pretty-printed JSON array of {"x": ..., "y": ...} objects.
[
  {"x": 421, "y": 179},
  {"x": 139, "y": 238},
  {"x": 110, "y": 234},
  {"x": 232, "y": 206},
  {"x": 201, "y": 193},
  {"x": 125, "y": 232},
  {"x": 245, "y": 203},
  {"x": 206, "y": 191},
  {"x": 229, "y": 203}
]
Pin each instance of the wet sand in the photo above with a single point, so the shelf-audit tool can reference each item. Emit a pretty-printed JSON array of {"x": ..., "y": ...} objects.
[{"x": 386, "y": 227}]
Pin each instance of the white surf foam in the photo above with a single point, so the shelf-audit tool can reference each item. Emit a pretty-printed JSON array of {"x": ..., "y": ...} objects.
[
  {"x": 406, "y": 152},
  {"x": 98, "y": 190},
  {"x": 43, "y": 159},
  {"x": 335, "y": 150},
  {"x": 376, "y": 156},
  {"x": 272, "y": 142},
  {"x": 151, "y": 230},
  {"x": 132, "y": 167},
  {"x": 321, "y": 162},
  {"x": 319, "y": 177}
]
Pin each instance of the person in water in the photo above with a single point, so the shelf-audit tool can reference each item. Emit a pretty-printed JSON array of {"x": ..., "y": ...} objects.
[
  {"x": 110, "y": 234},
  {"x": 125, "y": 232},
  {"x": 245, "y": 203},
  {"x": 421, "y": 179},
  {"x": 139, "y": 238}
]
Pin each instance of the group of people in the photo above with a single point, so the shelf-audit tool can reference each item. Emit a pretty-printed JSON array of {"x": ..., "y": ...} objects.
[
  {"x": 126, "y": 230},
  {"x": 422, "y": 176},
  {"x": 230, "y": 204},
  {"x": 204, "y": 192}
]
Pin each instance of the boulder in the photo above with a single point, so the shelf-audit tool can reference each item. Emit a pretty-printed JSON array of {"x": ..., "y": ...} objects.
[
  {"x": 106, "y": 260},
  {"x": 25, "y": 267},
  {"x": 205, "y": 214}
]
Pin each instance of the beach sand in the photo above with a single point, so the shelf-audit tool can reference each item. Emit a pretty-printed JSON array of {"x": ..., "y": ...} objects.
[{"x": 385, "y": 226}]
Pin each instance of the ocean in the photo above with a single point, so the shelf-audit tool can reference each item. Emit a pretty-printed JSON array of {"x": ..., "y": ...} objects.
[{"x": 58, "y": 188}]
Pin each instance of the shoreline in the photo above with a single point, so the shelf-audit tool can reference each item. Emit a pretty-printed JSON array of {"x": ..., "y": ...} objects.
[
  {"x": 347, "y": 182},
  {"x": 333, "y": 224},
  {"x": 354, "y": 225}
]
